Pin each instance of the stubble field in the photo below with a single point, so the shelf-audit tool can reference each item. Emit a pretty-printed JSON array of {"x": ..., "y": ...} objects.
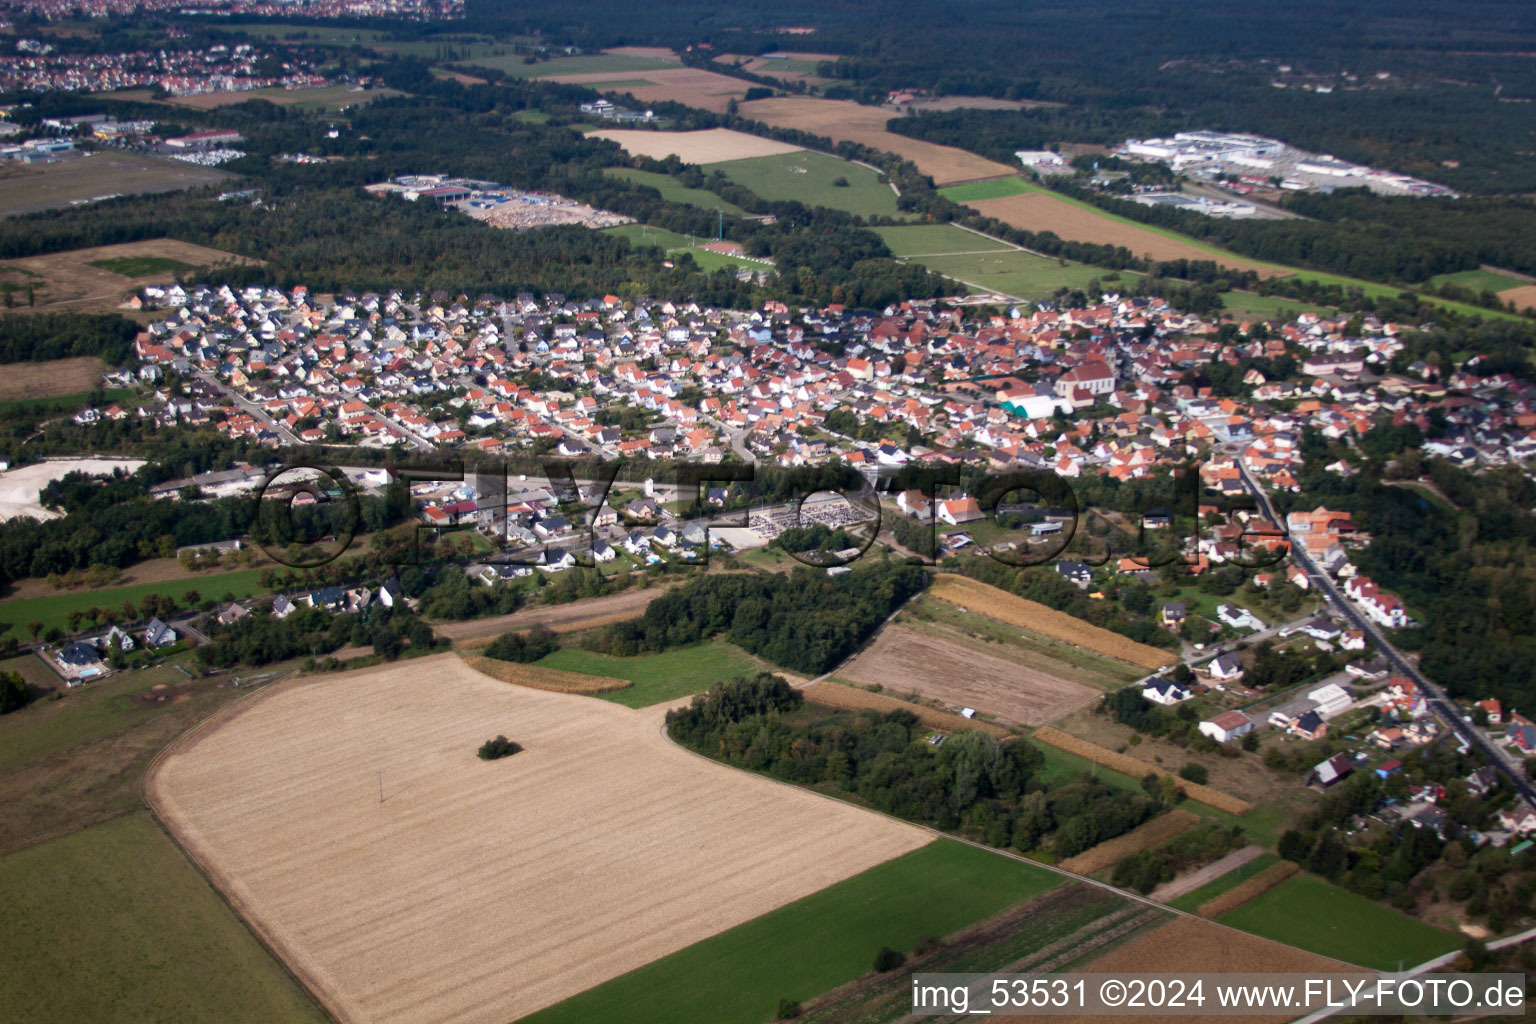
[
  {"x": 75, "y": 280},
  {"x": 1039, "y": 211},
  {"x": 842, "y": 120},
  {"x": 692, "y": 86},
  {"x": 482, "y": 891},
  {"x": 707, "y": 146},
  {"x": 50, "y": 379},
  {"x": 962, "y": 676}
]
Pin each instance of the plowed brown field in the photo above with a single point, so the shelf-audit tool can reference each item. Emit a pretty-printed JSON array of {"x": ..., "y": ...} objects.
[
  {"x": 840, "y": 120},
  {"x": 562, "y": 618},
  {"x": 1524, "y": 297},
  {"x": 1038, "y": 212},
  {"x": 961, "y": 676},
  {"x": 480, "y": 891}
]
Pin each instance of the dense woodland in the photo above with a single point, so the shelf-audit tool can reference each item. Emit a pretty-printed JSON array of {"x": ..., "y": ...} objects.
[
  {"x": 985, "y": 788},
  {"x": 805, "y": 621}
]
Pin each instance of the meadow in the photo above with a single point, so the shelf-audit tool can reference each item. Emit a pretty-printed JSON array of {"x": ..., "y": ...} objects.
[
  {"x": 54, "y": 610},
  {"x": 113, "y": 923},
  {"x": 937, "y": 239},
  {"x": 813, "y": 944},
  {"x": 514, "y": 66},
  {"x": 807, "y": 177},
  {"x": 674, "y": 191},
  {"x": 1016, "y": 274},
  {"x": 24, "y": 189},
  {"x": 659, "y": 677},
  {"x": 1308, "y": 912}
]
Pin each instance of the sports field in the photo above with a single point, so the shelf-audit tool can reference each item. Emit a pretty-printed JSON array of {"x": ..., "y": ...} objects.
[
  {"x": 815, "y": 944},
  {"x": 675, "y": 244},
  {"x": 1015, "y": 273},
  {"x": 481, "y": 891},
  {"x": 998, "y": 188},
  {"x": 807, "y": 177},
  {"x": 659, "y": 677},
  {"x": 25, "y": 188},
  {"x": 112, "y": 923},
  {"x": 937, "y": 239},
  {"x": 1308, "y": 912}
]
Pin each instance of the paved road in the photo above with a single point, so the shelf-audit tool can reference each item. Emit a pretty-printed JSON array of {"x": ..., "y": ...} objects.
[
  {"x": 1438, "y": 703},
  {"x": 257, "y": 413}
]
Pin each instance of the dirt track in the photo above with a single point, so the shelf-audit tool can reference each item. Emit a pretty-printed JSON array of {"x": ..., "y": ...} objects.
[
  {"x": 961, "y": 676},
  {"x": 481, "y": 891},
  {"x": 1204, "y": 876},
  {"x": 562, "y": 618}
]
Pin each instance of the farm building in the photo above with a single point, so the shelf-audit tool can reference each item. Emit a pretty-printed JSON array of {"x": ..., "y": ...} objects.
[
  {"x": 1330, "y": 772},
  {"x": 1227, "y": 726}
]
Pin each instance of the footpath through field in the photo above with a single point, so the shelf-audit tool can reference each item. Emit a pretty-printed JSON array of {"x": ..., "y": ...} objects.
[{"x": 1171, "y": 891}]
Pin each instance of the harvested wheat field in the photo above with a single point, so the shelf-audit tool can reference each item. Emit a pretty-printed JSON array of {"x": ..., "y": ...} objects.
[
  {"x": 1188, "y": 943},
  {"x": 975, "y": 596},
  {"x": 841, "y": 120},
  {"x": 653, "y": 52},
  {"x": 961, "y": 676},
  {"x": 695, "y": 87},
  {"x": 540, "y": 678},
  {"x": 1143, "y": 837},
  {"x": 1137, "y": 769},
  {"x": 51, "y": 378},
  {"x": 1036, "y": 211},
  {"x": 69, "y": 279},
  {"x": 1524, "y": 297},
  {"x": 707, "y": 146},
  {"x": 479, "y": 891},
  {"x": 851, "y": 698}
]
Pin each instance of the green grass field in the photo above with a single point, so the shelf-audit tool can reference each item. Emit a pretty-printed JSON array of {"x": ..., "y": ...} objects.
[
  {"x": 138, "y": 266},
  {"x": 813, "y": 944},
  {"x": 644, "y": 234},
  {"x": 675, "y": 192},
  {"x": 54, "y": 610},
  {"x": 113, "y": 923},
  {"x": 1308, "y": 912},
  {"x": 1477, "y": 280},
  {"x": 928, "y": 239},
  {"x": 659, "y": 677},
  {"x": 1269, "y": 306},
  {"x": 998, "y": 188},
  {"x": 1014, "y": 272},
  {"x": 63, "y": 401},
  {"x": 807, "y": 176}
]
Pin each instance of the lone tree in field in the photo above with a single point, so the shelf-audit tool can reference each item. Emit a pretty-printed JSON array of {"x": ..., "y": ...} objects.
[
  {"x": 499, "y": 747},
  {"x": 888, "y": 960}
]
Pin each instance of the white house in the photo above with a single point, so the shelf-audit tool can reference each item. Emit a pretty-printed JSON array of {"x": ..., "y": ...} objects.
[
  {"x": 1160, "y": 690},
  {"x": 1238, "y": 618},
  {"x": 1225, "y": 668}
]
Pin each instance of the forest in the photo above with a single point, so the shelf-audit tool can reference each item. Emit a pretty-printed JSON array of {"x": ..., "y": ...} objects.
[
  {"x": 805, "y": 621},
  {"x": 987, "y": 789}
]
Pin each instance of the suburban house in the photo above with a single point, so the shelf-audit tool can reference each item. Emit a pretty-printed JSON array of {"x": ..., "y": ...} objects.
[
  {"x": 80, "y": 661},
  {"x": 1238, "y": 618},
  {"x": 1310, "y": 726},
  {"x": 1174, "y": 612},
  {"x": 1225, "y": 668},
  {"x": 158, "y": 634},
  {"x": 1077, "y": 572},
  {"x": 1227, "y": 726},
  {"x": 960, "y": 510},
  {"x": 1493, "y": 709},
  {"x": 1164, "y": 691},
  {"x": 1522, "y": 738}
]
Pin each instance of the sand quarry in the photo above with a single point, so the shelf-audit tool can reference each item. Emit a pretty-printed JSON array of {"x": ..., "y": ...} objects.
[
  {"x": 21, "y": 488},
  {"x": 481, "y": 891}
]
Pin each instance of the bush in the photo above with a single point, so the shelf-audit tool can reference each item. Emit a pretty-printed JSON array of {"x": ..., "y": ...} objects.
[
  {"x": 839, "y": 182},
  {"x": 888, "y": 959},
  {"x": 788, "y": 1009},
  {"x": 524, "y": 647},
  {"x": 499, "y": 747},
  {"x": 1195, "y": 773}
]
